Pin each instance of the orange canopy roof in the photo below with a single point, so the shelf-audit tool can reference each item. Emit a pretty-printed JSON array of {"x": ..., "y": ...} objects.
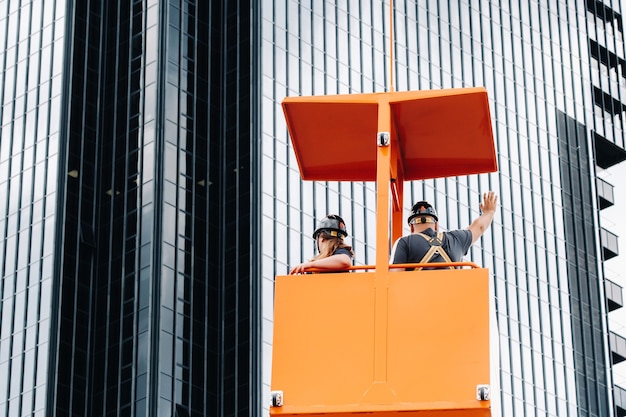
[{"x": 439, "y": 133}]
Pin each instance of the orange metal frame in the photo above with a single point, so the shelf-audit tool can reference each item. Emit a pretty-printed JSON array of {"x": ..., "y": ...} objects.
[
  {"x": 434, "y": 133},
  {"x": 384, "y": 342},
  {"x": 417, "y": 345},
  {"x": 439, "y": 265}
]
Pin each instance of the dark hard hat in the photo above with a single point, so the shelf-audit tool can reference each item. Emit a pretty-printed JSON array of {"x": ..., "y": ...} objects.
[
  {"x": 422, "y": 208},
  {"x": 333, "y": 225}
]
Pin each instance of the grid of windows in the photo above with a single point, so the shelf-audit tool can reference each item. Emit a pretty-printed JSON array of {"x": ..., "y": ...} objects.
[
  {"x": 167, "y": 303},
  {"x": 584, "y": 283},
  {"x": 531, "y": 57},
  {"x": 31, "y": 63},
  {"x": 138, "y": 280},
  {"x": 125, "y": 211}
]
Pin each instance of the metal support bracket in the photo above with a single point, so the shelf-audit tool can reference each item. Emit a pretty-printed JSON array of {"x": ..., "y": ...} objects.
[
  {"x": 277, "y": 398},
  {"x": 483, "y": 393},
  {"x": 383, "y": 138}
]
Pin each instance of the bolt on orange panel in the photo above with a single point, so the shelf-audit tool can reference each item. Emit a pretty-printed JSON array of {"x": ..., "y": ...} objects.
[{"x": 387, "y": 343}]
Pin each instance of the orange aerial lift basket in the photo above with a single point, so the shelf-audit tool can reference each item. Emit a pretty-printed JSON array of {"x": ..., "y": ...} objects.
[{"x": 385, "y": 343}]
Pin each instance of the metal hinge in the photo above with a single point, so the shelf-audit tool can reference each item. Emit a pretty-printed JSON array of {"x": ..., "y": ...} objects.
[
  {"x": 483, "y": 392},
  {"x": 383, "y": 138},
  {"x": 277, "y": 398}
]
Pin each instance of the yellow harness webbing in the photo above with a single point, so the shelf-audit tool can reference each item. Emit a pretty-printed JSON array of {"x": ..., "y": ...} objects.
[{"x": 435, "y": 243}]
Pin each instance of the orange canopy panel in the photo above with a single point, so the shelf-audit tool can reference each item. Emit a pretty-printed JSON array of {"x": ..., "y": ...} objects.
[
  {"x": 402, "y": 344},
  {"x": 440, "y": 133}
]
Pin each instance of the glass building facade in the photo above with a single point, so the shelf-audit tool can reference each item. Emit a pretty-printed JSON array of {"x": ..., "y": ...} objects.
[
  {"x": 149, "y": 193},
  {"x": 554, "y": 74},
  {"x": 128, "y": 283}
]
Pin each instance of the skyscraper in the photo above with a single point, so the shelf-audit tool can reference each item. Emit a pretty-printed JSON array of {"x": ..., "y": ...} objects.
[
  {"x": 128, "y": 283},
  {"x": 149, "y": 193},
  {"x": 553, "y": 70}
]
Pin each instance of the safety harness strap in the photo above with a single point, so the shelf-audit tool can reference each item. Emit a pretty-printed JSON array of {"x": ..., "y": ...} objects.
[{"x": 435, "y": 243}]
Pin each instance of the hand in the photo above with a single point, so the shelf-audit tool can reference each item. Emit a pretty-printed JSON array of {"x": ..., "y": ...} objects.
[
  {"x": 300, "y": 268},
  {"x": 488, "y": 209},
  {"x": 489, "y": 202}
]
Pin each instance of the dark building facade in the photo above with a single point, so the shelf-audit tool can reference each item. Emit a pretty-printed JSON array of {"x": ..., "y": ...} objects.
[
  {"x": 148, "y": 284},
  {"x": 149, "y": 193},
  {"x": 586, "y": 301}
]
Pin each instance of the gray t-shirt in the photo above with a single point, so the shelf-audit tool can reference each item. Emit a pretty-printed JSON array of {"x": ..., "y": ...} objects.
[{"x": 412, "y": 248}]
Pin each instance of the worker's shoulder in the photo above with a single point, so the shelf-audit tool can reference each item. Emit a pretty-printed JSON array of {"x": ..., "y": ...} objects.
[
  {"x": 462, "y": 236},
  {"x": 418, "y": 238},
  {"x": 342, "y": 251},
  {"x": 458, "y": 232}
]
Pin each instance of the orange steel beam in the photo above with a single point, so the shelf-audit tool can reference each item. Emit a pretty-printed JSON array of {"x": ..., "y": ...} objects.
[
  {"x": 437, "y": 265},
  {"x": 397, "y": 184},
  {"x": 397, "y": 191},
  {"x": 383, "y": 176}
]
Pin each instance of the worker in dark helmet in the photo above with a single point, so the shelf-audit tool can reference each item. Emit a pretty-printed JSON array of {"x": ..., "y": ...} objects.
[
  {"x": 333, "y": 254},
  {"x": 427, "y": 244}
]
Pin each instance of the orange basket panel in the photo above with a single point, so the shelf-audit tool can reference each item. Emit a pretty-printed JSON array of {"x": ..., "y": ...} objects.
[{"x": 327, "y": 350}]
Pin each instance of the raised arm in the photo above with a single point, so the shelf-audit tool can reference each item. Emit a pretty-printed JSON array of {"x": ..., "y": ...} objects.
[{"x": 488, "y": 209}]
